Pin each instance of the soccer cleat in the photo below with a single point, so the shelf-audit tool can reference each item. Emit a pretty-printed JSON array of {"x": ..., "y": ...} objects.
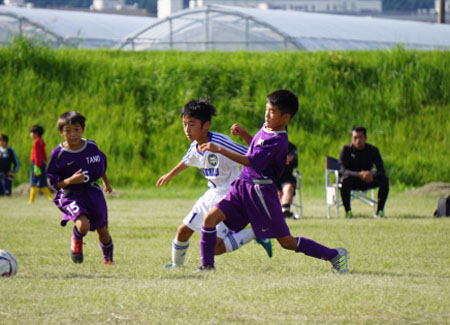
[
  {"x": 340, "y": 261},
  {"x": 108, "y": 262},
  {"x": 348, "y": 214},
  {"x": 380, "y": 214},
  {"x": 205, "y": 269},
  {"x": 172, "y": 266},
  {"x": 76, "y": 250},
  {"x": 267, "y": 244}
]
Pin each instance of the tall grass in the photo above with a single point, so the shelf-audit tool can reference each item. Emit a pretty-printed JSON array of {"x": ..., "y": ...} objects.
[{"x": 132, "y": 103}]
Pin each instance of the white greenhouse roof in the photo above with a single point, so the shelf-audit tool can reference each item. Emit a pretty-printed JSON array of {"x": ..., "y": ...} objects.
[
  {"x": 217, "y": 27},
  {"x": 84, "y": 29}
]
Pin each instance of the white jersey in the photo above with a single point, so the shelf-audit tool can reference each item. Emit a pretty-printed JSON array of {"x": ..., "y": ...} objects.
[{"x": 218, "y": 169}]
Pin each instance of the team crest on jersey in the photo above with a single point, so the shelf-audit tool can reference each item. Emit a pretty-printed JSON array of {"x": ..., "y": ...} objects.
[{"x": 213, "y": 160}]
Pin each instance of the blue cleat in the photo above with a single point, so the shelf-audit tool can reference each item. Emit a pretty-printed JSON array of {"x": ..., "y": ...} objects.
[{"x": 267, "y": 244}]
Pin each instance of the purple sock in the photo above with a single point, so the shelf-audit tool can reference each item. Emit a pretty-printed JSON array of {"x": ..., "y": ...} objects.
[
  {"x": 311, "y": 248},
  {"x": 107, "y": 250},
  {"x": 77, "y": 235},
  {"x": 208, "y": 245}
]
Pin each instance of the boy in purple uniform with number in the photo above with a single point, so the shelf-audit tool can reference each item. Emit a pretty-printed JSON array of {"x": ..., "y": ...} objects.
[
  {"x": 74, "y": 167},
  {"x": 253, "y": 197}
]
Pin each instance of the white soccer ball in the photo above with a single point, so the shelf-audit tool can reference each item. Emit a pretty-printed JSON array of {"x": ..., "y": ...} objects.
[{"x": 8, "y": 264}]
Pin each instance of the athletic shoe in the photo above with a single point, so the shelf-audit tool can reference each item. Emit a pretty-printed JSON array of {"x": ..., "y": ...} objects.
[
  {"x": 205, "y": 269},
  {"x": 172, "y": 266},
  {"x": 267, "y": 244},
  {"x": 340, "y": 261},
  {"x": 288, "y": 214},
  {"x": 348, "y": 215},
  {"x": 108, "y": 262},
  {"x": 76, "y": 250},
  {"x": 380, "y": 214}
]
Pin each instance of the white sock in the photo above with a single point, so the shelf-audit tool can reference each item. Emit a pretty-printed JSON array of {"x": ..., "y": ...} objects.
[
  {"x": 179, "y": 249},
  {"x": 235, "y": 241}
]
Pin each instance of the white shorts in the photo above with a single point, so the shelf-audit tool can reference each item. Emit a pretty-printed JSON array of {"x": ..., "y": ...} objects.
[{"x": 194, "y": 219}]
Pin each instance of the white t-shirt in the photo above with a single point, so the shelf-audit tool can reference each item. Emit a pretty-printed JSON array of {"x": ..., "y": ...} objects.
[{"x": 218, "y": 169}]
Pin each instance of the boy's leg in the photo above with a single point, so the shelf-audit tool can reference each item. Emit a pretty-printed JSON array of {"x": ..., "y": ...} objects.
[
  {"x": 337, "y": 257},
  {"x": 209, "y": 236},
  {"x": 106, "y": 244},
  {"x": 80, "y": 230},
  {"x": 33, "y": 192},
  {"x": 47, "y": 193},
  {"x": 180, "y": 246},
  {"x": 234, "y": 241},
  {"x": 286, "y": 199}
]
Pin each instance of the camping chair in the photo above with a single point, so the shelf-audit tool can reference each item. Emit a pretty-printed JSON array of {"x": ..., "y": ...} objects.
[
  {"x": 332, "y": 186},
  {"x": 298, "y": 198}
]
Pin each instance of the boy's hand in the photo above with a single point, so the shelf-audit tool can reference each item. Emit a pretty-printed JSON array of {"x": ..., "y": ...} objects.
[
  {"x": 236, "y": 129},
  {"x": 77, "y": 178},
  {"x": 164, "y": 180},
  {"x": 107, "y": 188},
  {"x": 37, "y": 171},
  {"x": 208, "y": 146}
]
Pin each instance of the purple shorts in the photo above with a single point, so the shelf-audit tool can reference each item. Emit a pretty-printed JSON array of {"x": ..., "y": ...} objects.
[
  {"x": 257, "y": 204},
  {"x": 90, "y": 202}
]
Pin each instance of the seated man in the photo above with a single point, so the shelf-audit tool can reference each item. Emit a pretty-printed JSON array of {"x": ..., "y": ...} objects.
[
  {"x": 357, "y": 160},
  {"x": 287, "y": 183}
]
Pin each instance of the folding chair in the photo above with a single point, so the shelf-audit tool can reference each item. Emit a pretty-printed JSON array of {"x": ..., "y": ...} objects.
[
  {"x": 298, "y": 198},
  {"x": 332, "y": 186}
]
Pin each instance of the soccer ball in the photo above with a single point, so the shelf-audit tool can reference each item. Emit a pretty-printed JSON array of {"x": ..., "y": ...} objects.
[{"x": 8, "y": 264}]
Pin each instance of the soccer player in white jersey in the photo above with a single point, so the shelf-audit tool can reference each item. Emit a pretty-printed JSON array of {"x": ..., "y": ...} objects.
[{"x": 220, "y": 173}]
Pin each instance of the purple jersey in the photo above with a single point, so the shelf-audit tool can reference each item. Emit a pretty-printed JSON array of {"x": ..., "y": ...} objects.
[
  {"x": 253, "y": 197},
  {"x": 267, "y": 155},
  {"x": 77, "y": 199},
  {"x": 64, "y": 163}
]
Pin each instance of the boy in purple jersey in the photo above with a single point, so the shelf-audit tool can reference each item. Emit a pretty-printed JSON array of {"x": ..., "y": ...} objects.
[
  {"x": 74, "y": 167},
  {"x": 253, "y": 197}
]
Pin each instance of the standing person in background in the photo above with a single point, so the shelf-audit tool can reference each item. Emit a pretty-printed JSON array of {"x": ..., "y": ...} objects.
[
  {"x": 8, "y": 157},
  {"x": 38, "y": 174},
  {"x": 287, "y": 183}
]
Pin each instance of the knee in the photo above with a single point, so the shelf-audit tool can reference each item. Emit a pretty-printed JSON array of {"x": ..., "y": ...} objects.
[
  {"x": 184, "y": 233},
  {"x": 288, "y": 242},
  {"x": 210, "y": 221},
  {"x": 83, "y": 224}
]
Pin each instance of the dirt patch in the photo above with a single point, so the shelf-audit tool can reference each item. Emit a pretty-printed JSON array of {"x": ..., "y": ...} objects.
[{"x": 431, "y": 189}]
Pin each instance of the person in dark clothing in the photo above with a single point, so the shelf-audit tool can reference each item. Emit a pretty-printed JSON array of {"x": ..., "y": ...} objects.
[
  {"x": 287, "y": 183},
  {"x": 357, "y": 160},
  {"x": 8, "y": 157}
]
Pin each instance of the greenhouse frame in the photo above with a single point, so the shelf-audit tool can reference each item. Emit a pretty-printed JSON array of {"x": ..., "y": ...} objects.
[{"x": 225, "y": 28}]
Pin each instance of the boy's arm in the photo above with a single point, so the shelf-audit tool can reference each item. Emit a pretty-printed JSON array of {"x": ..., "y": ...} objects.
[
  {"x": 165, "y": 179},
  {"x": 238, "y": 130},
  {"x": 236, "y": 157},
  {"x": 107, "y": 187}
]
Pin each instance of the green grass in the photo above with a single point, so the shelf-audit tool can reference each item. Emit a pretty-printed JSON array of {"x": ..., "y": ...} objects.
[{"x": 399, "y": 268}]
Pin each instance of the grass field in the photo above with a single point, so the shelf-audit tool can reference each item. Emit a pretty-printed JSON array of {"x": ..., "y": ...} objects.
[{"x": 399, "y": 269}]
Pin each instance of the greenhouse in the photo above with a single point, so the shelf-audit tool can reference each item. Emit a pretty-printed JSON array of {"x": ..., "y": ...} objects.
[
  {"x": 68, "y": 28},
  {"x": 221, "y": 28},
  {"x": 225, "y": 28}
]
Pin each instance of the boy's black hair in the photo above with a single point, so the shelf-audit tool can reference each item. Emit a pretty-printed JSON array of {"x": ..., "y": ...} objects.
[
  {"x": 359, "y": 128},
  {"x": 4, "y": 137},
  {"x": 37, "y": 129},
  {"x": 69, "y": 118},
  {"x": 201, "y": 109},
  {"x": 285, "y": 101}
]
